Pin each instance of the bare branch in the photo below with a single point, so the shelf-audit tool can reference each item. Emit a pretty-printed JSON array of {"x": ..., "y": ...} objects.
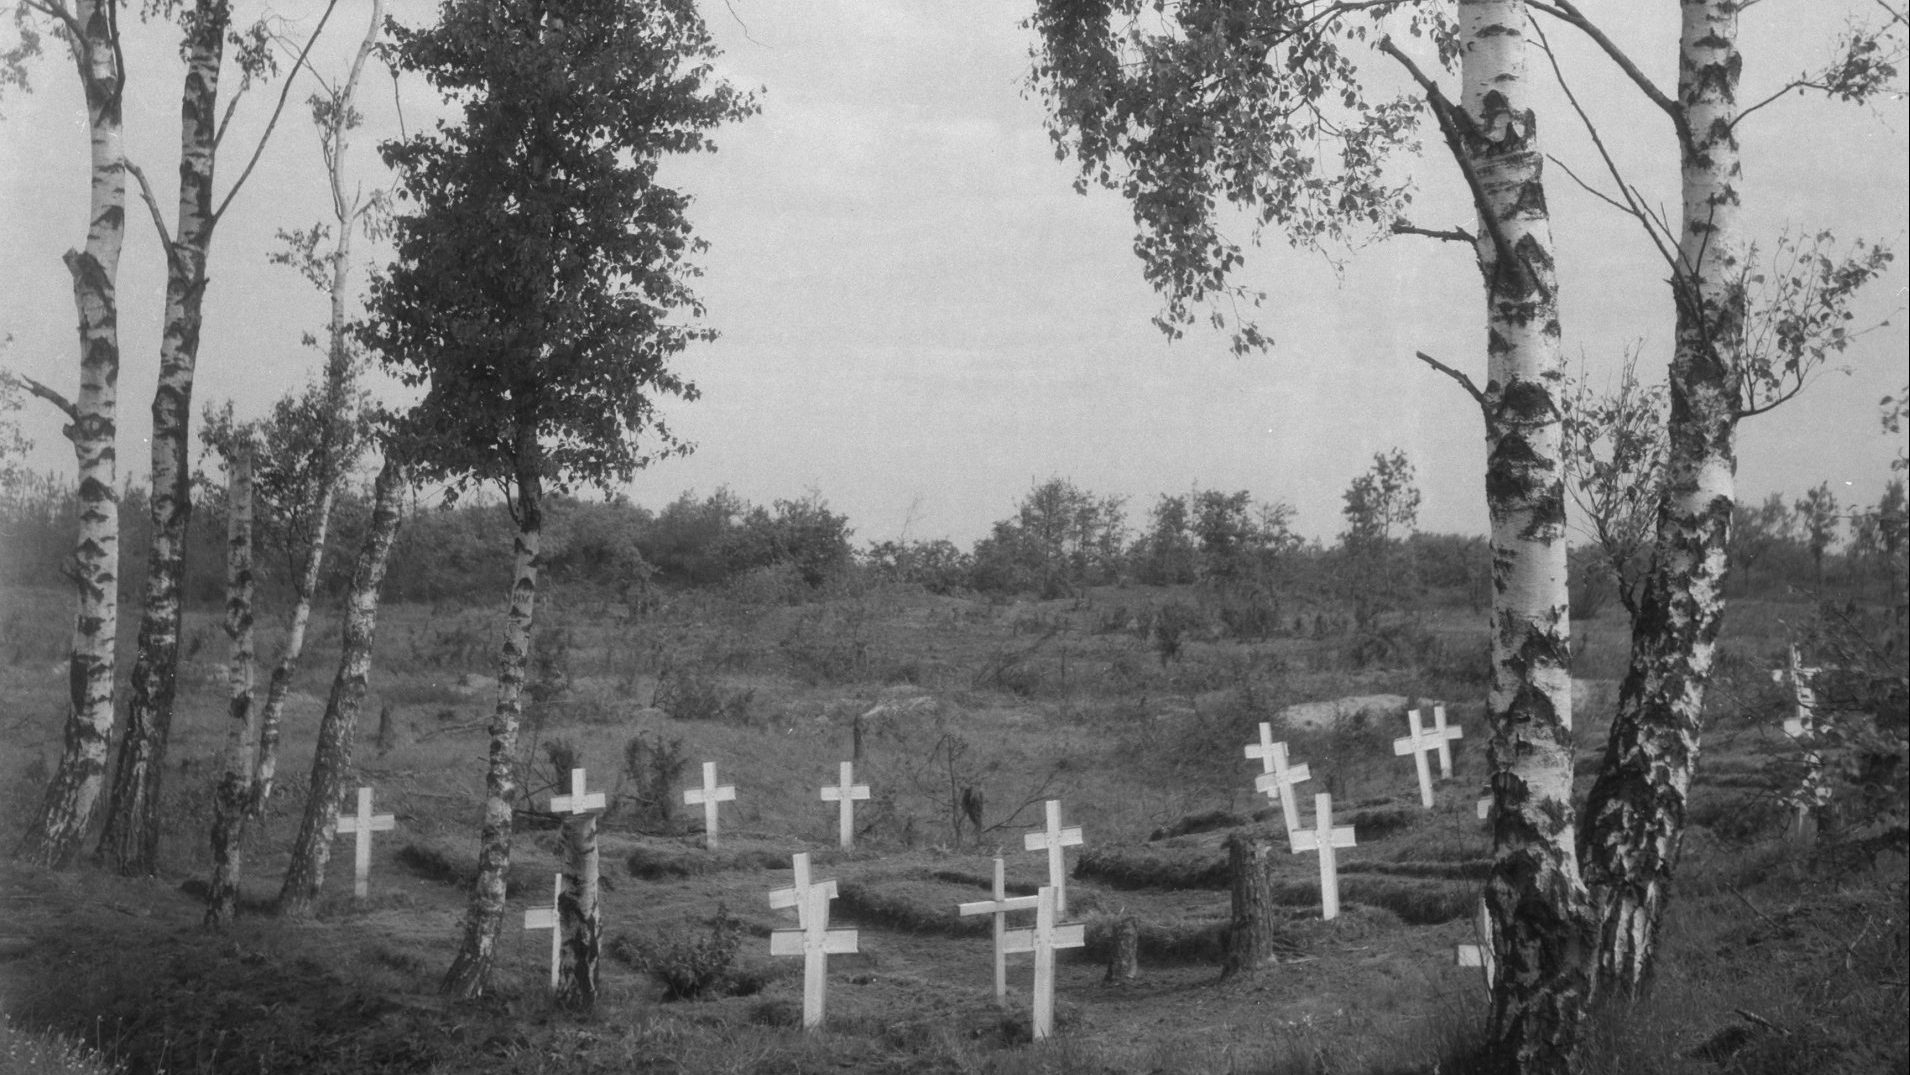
[
  {"x": 1451, "y": 235},
  {"x": 277, "y": 110},
  {"x": 34, "y": 387},
  {"x": 1568, "y": 12},
  {"x": 1465, "y": 382},
  {"x": 152, "y": 206}
]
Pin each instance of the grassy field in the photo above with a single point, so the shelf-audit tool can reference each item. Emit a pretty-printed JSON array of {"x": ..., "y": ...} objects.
[{"x": 1775, "y": 960}]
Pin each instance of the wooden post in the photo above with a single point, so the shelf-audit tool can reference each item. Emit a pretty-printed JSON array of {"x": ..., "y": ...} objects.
[
  {"x": 999, "y": 907},
  {"x": 1419, "y": 743},
  {"x": 1812, "y": 792},
  {"x": 364, "y": 824},
  {"x": 546, "y": 918},
  {"x": 580, "y": 920},
  {"x": 846, "y": 793},
  {"x": 710, "y": 795},
  {"x": 1124, "y": 958},
  {"x": 1278, "y": 781},
  {"x": 1043, "y": 940},
  {"x": 1052, "y": 839},
  {"x": 815, "y": 942},
  {"x": 1324, "y": 837},
  {"x": 1254, "y": 929}
]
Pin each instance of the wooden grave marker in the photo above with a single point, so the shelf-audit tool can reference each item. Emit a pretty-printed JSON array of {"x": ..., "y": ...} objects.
[
  {"x": 1052, "y": 839},
  {"x": 797, "y": 895},
  {"x": 1480, "y": 955},
  {"x": 1043, "y": 939},
  {"x": 1324, "y": 837},
  {"x": 1445, "y": 734},
  {"x": 814, "y": 941},
  {"x": 1278, "y": 782},
  {"x": 576, "y": 802},
  {"x": 709, "y": 795},
  {"x": 999, "y": 907},
  {"x": 546, "y": 918},
  {"x": 846, "y": 792},
  {"x": 1420, "y": 743},
  {"x": 364, "y": 823}
]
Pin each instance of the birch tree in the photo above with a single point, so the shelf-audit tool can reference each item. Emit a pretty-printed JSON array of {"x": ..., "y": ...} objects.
[
  {"x": 540, "y": 292},
  {"x": 232, "y": 795},
  {"x": 129, "y": 842},
  {"x": 1736, "y": 353},
  {"x": 91, "y": 32},
  {"x": 1264, "y": 107}
]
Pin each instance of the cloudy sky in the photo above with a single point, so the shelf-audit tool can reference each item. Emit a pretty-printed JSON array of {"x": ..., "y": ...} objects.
[{"x": 920, "y": 318}]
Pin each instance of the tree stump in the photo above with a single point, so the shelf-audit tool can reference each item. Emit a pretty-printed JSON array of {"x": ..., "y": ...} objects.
[
  {"x": 1124, "y": 959},
  {"x": 1254, "y": 934}
]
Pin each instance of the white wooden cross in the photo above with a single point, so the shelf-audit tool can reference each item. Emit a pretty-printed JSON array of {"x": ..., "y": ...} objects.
[
  {"x": 797, "y": 895},
  {"x": 815, "y": 942},
  {"x": 576, "y": 802},
  {"x": 1480, "y": 954},
  {"x": 1053, "y": 839},
  {"x": 709, "y": 795},
  {"x": 1278, "y": 782},
  {"x": 1324, "y": 837},
  {"x": 1445, "y": 735},
  {"x": 364, "y": 823},
  {"x": 1263, "y": 749},
  {"x": 1042, "y": 940},
  {"x": 546, "y": 918},
  {"x": 1419, "y": 743},
  {"x": 999, "y": 907},
  {"x": 846, "y": 792}
]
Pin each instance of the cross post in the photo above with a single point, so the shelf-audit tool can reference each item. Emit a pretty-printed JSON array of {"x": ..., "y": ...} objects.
[
  {"x": 546, "y": 918},
  {"x": 1043, "y": 939},
  {"x": 709, "y": 795},
  {"x": 846, "y": 793},
  {"x": 1324, "y": 837},
  {"x": 1052, "y": 839},
  {"x": 999, "y": 907},
  {"x": 1418, "y": 744},
  {"x": 1278, "y": 781},
  {"x": 815, "y": 942},
  {"x": 576, "y": 802},
  {"x": 364, "y": 823},
  {"x": 797, "y": 895}
]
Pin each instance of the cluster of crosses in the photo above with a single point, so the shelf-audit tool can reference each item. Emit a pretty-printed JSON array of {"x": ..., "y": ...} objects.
[{"x": 815, "y": 941}]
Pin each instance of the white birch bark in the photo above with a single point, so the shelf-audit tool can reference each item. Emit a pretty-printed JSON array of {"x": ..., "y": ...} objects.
[
  {"x": 1538, "y": 901},
  {"x": 232, "y": 798},
  {"x": 130, "y": 840},
  {"x": 331, "y": 758},
  {"x": 1635, "y": 816},
  {"x": 72, "y": 796}
]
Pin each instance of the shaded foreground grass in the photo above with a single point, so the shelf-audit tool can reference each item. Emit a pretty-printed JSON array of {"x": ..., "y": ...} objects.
[{"x": 1143, "y": 753}]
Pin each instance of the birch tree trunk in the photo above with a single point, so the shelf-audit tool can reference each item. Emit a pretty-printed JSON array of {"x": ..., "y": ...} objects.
[
  {"x": 72, "y": 796},
  {"x": 130, "y": 841},
  {"x": 336, "y": 138},
  {"x": 1635, "y": 816},
  {"x": 1537, "y": 898},
  {"x": 470, "y": 971},
  {"x": 232, "y": 799},
  {"x": 331, "y": 760},
  {"x": 578, "y": 915}
]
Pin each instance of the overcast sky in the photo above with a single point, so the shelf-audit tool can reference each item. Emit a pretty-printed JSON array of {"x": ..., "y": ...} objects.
[{"x": 920, "y": 318}]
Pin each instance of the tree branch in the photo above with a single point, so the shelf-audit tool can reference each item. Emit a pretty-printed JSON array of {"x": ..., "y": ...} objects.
[
  {"x": 1451, "y": 235},
  {"x": 1567, "y": 12},
  {"x": 34, "y": 387},
  {"x": 1443, "y": 111},
  {"x": 277, "y": 110},
  {"x": 1465, "y": 382},
  {"x": 152, "y": 206}
]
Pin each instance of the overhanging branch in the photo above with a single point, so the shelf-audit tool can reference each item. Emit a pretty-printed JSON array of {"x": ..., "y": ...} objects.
[{"x": 1465, "y": 382}]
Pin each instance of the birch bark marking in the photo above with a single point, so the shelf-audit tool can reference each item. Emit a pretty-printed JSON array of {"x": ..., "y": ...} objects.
[
  {"x": 1535, "y": 888},
  {"x": 130, "y": 841},
  {"x": 232, "y": 799},
  {"x": 1635, "y": 816},
  {"x": 470, "y": 971},
  {"x": 331, "y": 760},
  {"x": 337, "y": 373},
  {"x": 72, "y": 796}
]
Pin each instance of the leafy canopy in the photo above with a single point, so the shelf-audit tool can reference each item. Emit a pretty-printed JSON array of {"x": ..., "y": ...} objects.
[
  {"x": 541, "y": 284},
  {"x": 1196, "y": 108}
]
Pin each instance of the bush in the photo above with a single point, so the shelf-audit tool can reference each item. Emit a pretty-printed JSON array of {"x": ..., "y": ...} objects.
[
  {"x": 697, "y": 968},
  {"x": 654, "y": 766}
]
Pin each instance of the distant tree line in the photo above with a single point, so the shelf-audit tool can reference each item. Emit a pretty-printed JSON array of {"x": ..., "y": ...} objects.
[{"x": 1243, "y": 554}]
